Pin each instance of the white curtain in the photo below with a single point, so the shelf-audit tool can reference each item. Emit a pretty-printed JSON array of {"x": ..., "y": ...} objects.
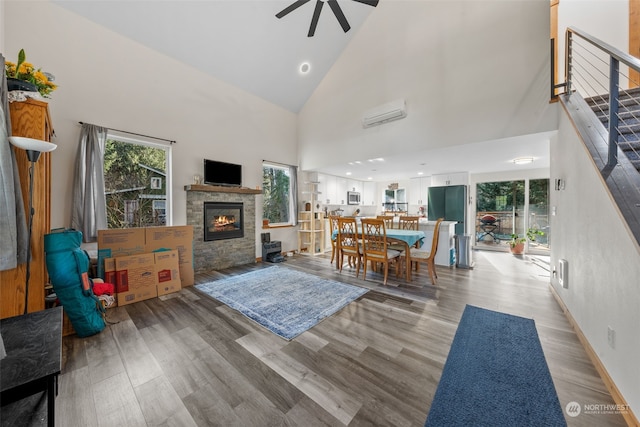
[
  {"x": 13, "y": 222},
  {"x": 89, "y": 210}
]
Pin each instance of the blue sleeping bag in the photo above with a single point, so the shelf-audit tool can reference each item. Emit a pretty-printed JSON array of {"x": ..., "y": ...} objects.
[{"x": 68, "y": 267}]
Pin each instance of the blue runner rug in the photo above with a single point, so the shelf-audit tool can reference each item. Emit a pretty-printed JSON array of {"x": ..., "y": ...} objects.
[
  {"x": 495, "y": 375},
  {"x": 283, "y": 300}
]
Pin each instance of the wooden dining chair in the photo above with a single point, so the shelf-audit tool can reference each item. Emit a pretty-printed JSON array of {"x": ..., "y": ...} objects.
[
  {"x": 388, "y": 220},
  {"x": 427, "y": 254},
  {"x": 333, "y": 225},
  {"x": 348, "y": 243},
  {"x": 375, "y": 247},
  {"x": 407, "y": 222}
]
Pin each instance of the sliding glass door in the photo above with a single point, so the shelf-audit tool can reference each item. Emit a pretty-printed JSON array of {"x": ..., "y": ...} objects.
[
  {"x": 500, "y": 211},
  {"x": 539, "y": 215},
  {"x": 504, "y": 208}
]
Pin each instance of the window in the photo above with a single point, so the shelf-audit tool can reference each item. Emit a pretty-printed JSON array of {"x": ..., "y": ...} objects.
[
  {"x": 279, "y": 191},
  {"x": 159, "y": 212},
  {"x": 134, "y": 174}
]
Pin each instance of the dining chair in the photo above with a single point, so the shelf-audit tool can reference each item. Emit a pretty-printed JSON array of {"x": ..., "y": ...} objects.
[
  {"x": 407, "y": 222},
  {"x": 375, "y": 247},
  {"x": 348, "y": 243},
  {"x": 333, "y": 225},
  {"x": 388, "y": 220},
  {"x": 427, "y": 255}
]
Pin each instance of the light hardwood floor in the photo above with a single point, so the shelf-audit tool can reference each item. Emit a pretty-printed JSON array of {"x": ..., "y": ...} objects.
[{"x": 185, "y": 359}]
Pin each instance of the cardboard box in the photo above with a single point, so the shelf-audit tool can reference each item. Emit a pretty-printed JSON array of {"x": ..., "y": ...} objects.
[
  {"x": 135, "y": 278},
  {"x": 110, "y": 271},
  {"x": 179, "y": 238},
  {"x": 119, "y": 242},
  {"x": 167, "y": 272},
  {"x": 138, "y": 295}
]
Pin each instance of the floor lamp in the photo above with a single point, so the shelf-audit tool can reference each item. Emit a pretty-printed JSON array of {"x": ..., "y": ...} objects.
[{"x": 33, "y": 147}]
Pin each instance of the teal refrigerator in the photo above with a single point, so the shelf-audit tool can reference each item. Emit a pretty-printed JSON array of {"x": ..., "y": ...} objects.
[{"x": 448, "y": 202}]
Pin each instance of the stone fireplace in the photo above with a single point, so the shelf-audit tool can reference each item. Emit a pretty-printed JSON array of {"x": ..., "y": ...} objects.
[
  {"x": 229, "y": 237},
  {"x": 223, "y": 221}
]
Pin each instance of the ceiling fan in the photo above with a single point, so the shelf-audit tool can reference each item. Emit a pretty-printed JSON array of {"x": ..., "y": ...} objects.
[{"x": 333, "y": 4}]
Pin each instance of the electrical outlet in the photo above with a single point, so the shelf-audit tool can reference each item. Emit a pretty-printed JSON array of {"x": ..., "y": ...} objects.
[{"x": 611, "y": 337}]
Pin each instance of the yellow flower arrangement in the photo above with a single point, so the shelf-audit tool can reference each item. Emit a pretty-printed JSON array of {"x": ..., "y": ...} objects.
[{"x": 25, "y": 71}]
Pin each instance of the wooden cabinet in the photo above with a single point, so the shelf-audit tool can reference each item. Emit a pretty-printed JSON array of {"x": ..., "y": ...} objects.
[
  {"x": 311, "y": 224},
  {"x": 30, "y": 119}
]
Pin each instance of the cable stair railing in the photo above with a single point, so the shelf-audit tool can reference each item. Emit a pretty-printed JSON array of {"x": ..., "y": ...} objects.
[{"x": 606, "y": 81}]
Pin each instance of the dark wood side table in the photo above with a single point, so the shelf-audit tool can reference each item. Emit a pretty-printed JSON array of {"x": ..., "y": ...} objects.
[{"x": 33, "y": 343}]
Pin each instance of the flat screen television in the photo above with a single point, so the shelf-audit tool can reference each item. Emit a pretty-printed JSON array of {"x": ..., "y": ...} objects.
[{"x": 221, "y": 173}]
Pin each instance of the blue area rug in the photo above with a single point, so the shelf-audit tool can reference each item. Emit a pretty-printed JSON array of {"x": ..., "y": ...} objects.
[
  {"x": 285, "y": 301},
  {"x": 495, "y": 375}
]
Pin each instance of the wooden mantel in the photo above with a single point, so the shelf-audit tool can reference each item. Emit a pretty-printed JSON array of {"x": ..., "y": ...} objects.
[{"x": 221, "y": 189}]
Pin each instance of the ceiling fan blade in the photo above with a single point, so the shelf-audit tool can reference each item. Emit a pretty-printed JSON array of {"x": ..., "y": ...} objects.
[
  {"x": 293, "y": 6},
  {"x": 337, "y": 10},
  {"x": 373, "y": 3},
  {"x": 316, "y": 16}
]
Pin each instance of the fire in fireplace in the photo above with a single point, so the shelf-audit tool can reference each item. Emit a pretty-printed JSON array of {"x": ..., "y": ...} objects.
[{"x": 223, "y": 220}]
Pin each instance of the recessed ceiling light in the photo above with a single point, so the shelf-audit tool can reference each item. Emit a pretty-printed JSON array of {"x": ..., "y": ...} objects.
[
  {"x": 305, "y": 67},
  {"x": 370, "y": 178},
  {"x": 420, "y": 173},
  {"x": 523, "y": 160},
  {"x": 348, "y": 173}
]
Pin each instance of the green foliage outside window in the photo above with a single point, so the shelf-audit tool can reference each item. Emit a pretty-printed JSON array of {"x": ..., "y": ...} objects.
[
  {"x": 276, "y": 189},
  {"x": 126, "y": 181}
]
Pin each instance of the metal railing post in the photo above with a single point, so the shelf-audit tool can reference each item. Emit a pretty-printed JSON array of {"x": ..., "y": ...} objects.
[
  {"x": 567, "y": 62},
  {"x": 614, "y": 91}
]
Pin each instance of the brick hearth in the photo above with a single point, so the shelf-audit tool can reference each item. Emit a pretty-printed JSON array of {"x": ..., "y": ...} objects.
[{"x": 219, "y": 254}]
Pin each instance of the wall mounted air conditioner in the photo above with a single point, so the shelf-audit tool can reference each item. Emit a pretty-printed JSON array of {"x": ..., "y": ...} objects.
[{"x": 394, "y": 110}]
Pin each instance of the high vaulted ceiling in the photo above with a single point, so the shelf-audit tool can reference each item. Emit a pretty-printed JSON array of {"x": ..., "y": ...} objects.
[{"x": 241, "y": 42}]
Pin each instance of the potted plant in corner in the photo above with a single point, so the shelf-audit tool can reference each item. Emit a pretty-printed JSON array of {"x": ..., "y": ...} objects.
[{"x": 517, "y": 242}]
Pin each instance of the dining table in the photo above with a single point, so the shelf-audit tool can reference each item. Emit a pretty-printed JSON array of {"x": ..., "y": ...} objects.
[{"x": 408, "y": 238}]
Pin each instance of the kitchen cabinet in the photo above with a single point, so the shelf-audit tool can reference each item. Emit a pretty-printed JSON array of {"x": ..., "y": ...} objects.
[
  {"x": 368, "y": 193},
  {"x": 354, "y": 185},
  {"x": 418, "y": 188},
  {"x": 31, "y": 119},
  {"x": 341, "y": 191},
  {"x": 327, "y": 189},
  {"x": 440, "y": 180}
]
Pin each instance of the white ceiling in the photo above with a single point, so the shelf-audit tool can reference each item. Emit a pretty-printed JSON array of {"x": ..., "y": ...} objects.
[
  {"x": 238, "y": 41},
  {"x": 242, "y": 43},
  {"x": 481, "y": 157}
]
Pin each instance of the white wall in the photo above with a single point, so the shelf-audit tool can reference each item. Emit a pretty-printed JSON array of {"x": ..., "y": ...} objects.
[
  {"x": 604, "y": 261},
  {"x": 453, "y": 63},
  {"x": 111, "y": 81},
  {"x": 607, "y": 20},
  {"x": 2, "y": 28}
]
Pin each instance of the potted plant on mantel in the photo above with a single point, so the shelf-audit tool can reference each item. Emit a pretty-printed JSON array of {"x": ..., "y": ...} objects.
[{"x": 517, "y": 242}]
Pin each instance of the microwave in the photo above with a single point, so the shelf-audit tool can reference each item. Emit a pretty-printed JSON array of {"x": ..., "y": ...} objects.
[{"x": 353, "y": 198}]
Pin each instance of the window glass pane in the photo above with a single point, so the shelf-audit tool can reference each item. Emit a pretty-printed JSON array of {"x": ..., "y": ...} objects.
[
  {"x": 539, "y": 213},
  {"x": 503, "y": 203},
  {"x": 135, "y": 175},
  {"x": 276, "y": 189}
]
